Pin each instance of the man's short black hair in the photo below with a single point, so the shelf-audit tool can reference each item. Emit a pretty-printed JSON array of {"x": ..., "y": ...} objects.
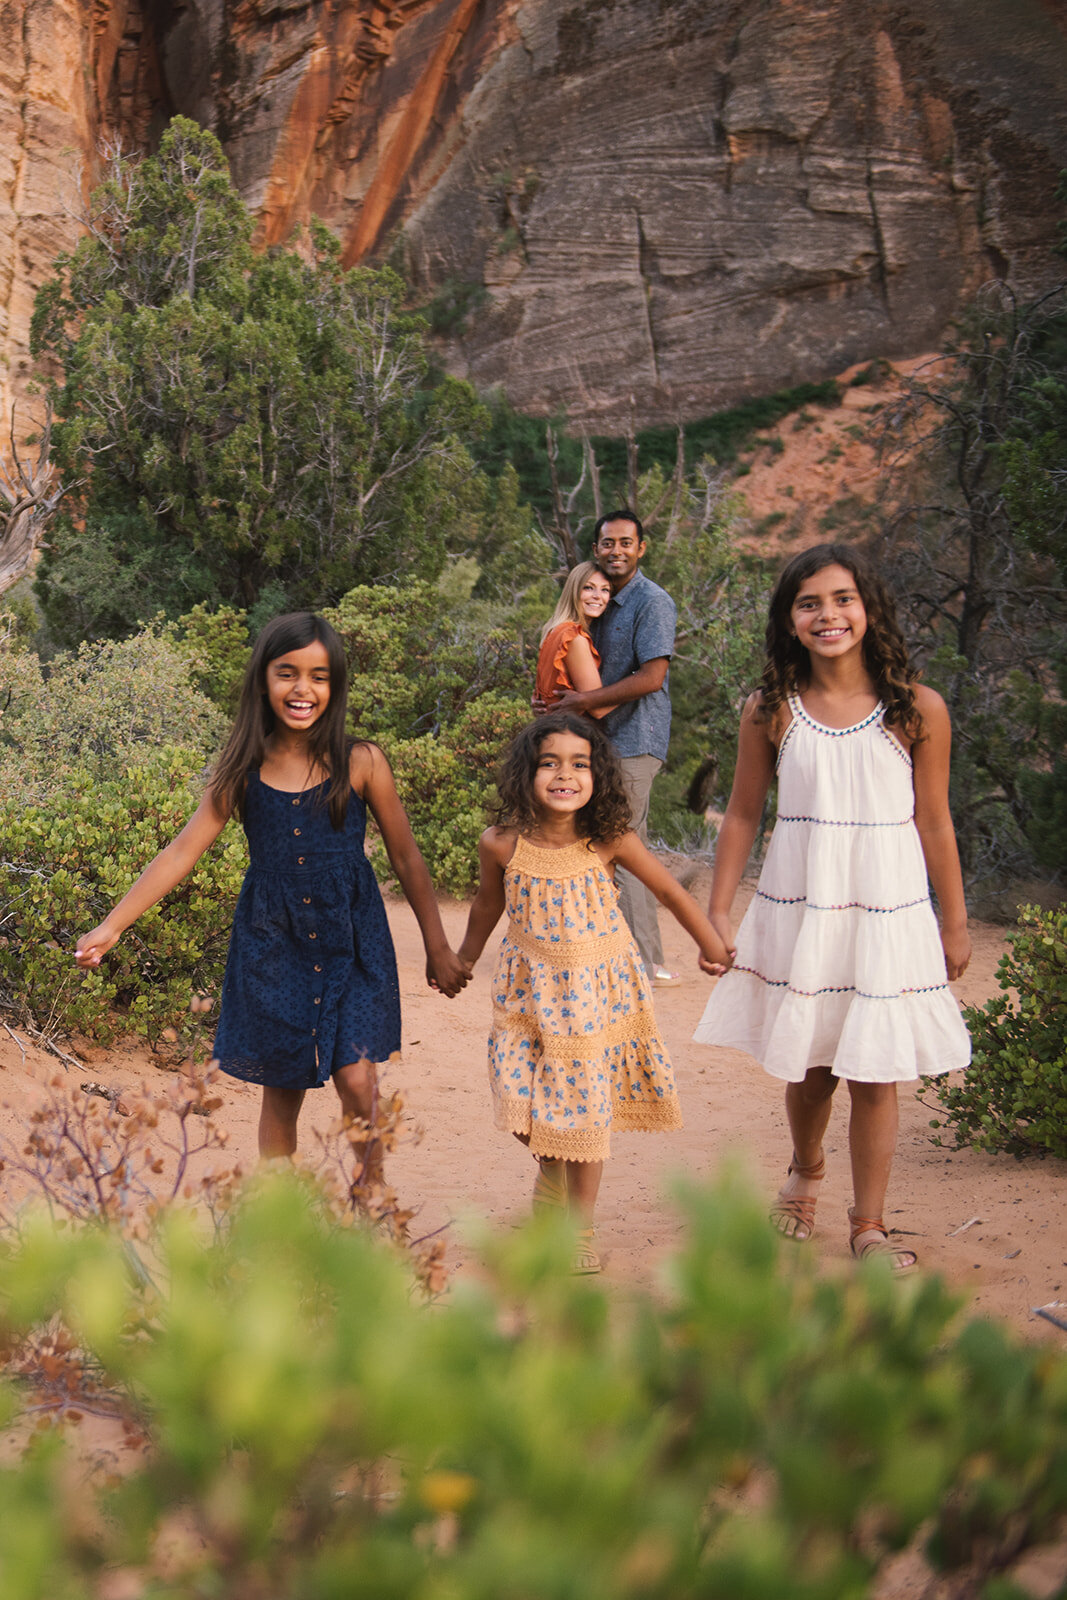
[{"x": 624, "y": 514}]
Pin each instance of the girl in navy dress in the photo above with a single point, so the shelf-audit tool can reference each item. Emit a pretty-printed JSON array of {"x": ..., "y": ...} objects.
[{"x": 310, "y": 992}]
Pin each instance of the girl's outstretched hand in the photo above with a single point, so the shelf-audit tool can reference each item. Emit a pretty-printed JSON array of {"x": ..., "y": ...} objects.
[
  {"x": 446, "y": 972},
  {"x": 93, "y": 946}
]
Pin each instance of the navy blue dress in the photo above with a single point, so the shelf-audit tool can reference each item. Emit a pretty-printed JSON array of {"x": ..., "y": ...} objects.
[{"x": 311, "y": 979}]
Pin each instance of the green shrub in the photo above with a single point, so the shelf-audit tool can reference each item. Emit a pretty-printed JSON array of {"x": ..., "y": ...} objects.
[
  {"x": 447, "y": 785},
  {"x": 315, "y": 1434},
  {"x": 1014, "y": 1094},
  {"x": 97, "y": 710},
  {"x": 65, "y": 861}
]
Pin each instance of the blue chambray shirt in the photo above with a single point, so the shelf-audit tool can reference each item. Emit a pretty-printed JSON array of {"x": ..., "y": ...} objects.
[{"x": 638, "y": 626}]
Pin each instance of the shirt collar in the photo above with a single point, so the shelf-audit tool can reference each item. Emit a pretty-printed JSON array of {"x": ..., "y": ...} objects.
[{"x": 625, "y": 595}]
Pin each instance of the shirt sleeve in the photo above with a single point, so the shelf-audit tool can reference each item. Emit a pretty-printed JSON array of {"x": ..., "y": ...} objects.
[{"x": 654, "y": 627}]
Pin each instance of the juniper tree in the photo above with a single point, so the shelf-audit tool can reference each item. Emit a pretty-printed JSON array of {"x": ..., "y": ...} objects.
[{"x": 248, "y": 427}]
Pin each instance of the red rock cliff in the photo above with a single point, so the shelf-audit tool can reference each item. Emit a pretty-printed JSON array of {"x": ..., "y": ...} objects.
[{"x": 669, "y": 206}]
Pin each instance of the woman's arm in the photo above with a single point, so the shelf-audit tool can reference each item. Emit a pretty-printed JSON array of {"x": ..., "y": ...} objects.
[
  {"x": 162, "y": 874},
  {"x": 930, "y": 767},
  {"x": 649, "y": 677},
  {"x": 372, "y": 777},
  {"x": 756, "y": 755},
  {"x": 630, "y": 853},
  {"x": 581, "y": 667},
  {"x": 495, "y": 849}
]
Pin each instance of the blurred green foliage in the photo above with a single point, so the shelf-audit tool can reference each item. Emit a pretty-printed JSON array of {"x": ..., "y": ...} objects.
[
  {"x": 314, "y": 1432},
  {"x": 1013, "y": 1096}
]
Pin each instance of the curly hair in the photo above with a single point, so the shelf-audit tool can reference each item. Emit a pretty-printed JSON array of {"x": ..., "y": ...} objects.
[
  {"x": 885, "y": 654},
  {"x": 606, "y": 816}
]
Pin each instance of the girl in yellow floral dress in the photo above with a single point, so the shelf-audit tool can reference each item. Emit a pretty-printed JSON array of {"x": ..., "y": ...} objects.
[{"x": 573, "y": 1050}]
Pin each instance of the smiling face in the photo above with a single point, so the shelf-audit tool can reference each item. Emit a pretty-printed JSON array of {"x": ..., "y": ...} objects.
[
  {"x": 563, "y": 777},
  {"x": 593, "y": 596},
  {"x": 298, "y": 686},
  {"x": 618, "y": 549},
  {"x": 828, "y": 614}
]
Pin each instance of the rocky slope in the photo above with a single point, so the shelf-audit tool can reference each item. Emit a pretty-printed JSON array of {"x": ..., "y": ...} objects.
[{"x": 663, "y": 206}]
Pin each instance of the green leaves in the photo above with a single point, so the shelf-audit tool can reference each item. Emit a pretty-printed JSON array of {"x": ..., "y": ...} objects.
[
  {"x": 1014, "y": 1094},
  {"x": 235, "y": 421},
  {"x": 747, "y": 1433}
]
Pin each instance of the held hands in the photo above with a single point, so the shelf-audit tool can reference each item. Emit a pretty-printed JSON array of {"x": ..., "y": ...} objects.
[
  {"x": 446, "y": 972},
  {"x": 715, "y": 966},
  {"x": 93, "y": 946}
]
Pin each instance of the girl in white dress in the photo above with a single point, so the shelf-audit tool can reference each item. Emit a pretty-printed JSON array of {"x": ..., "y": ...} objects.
[{"x": 838, "y": 970}]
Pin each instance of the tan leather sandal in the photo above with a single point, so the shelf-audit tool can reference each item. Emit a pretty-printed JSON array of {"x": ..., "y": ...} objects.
[
  {"x": 901, "y": 1259},
  {"x": 792, "y": 1213}
]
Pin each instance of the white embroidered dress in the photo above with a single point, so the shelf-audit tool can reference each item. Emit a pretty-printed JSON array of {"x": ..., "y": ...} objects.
[{"x": 839, "y": 960}]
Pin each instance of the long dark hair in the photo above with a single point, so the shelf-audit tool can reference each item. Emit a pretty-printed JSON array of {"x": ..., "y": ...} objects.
[
  {"x": 885, "y": 654},
  {"x": 328, "y": 744},
  {"x": 604, "y": 817}
]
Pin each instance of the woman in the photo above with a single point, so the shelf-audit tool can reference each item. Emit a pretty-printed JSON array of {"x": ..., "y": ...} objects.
[{"x": 568, "y": 658}]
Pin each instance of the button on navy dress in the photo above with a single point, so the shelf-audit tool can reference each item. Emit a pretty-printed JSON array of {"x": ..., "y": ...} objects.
[{"x": 311, "y": 979}]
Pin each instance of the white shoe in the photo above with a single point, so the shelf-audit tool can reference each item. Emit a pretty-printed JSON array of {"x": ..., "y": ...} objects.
[{"x": 662, "y": 979}]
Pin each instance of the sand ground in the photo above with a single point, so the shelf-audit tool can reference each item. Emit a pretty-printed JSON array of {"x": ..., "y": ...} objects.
[{"x": 991, "y": 1226}]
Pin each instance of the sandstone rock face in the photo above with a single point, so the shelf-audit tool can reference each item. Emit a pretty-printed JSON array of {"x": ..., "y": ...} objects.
[
  {"x": 666, "y": 204},
  {"x": 689, "y": 203}
]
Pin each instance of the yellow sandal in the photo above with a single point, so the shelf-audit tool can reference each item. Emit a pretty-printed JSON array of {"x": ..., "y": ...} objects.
[{"x": 586, "y": 1260}]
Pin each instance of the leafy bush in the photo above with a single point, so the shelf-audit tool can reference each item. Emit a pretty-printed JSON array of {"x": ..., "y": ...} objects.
[
  {"x": 232, "y": 421},
  {"x": 66, "y": 860},
  {"x": 313, "y": 1433},
  {"x": 443, "y": 697},
  {"x": 97, "y": 710},
  {"x": 447, "y": 786},
  {"x": 1014, "y": 1094}
]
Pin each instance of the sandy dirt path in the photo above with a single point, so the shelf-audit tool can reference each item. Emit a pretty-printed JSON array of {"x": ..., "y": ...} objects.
[{"x": 1010, "y": 1258}]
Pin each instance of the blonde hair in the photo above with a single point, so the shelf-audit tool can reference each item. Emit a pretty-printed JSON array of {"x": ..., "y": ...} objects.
[{"x": 567, "y": 608}]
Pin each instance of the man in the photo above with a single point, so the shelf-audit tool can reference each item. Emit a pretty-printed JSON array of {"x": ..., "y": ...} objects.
[{"x": 635, "y": 638}]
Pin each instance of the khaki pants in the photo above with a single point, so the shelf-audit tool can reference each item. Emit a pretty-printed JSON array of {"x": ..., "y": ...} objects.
[{"x": 638, "y": 904}]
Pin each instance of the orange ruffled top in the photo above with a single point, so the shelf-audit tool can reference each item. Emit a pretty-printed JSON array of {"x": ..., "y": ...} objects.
[{"x": 552, "y": 679}]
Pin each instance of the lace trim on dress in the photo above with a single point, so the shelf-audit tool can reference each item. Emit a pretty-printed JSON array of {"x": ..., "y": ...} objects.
[
  {"x": 585, "y": 1144},
  {"x": 590, "y": 946},
  {"x": 638, "y": 1029},
  {"x": 541, "y": 861}
]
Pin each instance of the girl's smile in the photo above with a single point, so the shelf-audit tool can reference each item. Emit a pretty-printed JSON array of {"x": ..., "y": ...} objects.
[
  {"x": 298, "y": 685},
  {"x": 593, "y": 596},
  {"x": 563, "y": 780},
  {"x": 828, "y": 615}
]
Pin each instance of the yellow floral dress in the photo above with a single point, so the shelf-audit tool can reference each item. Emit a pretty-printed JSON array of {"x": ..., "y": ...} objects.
[{"x": 573, "y": 1051}]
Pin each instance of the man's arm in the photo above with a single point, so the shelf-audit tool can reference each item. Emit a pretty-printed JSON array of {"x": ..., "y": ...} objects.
[{"x": 649, "y": 677}]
